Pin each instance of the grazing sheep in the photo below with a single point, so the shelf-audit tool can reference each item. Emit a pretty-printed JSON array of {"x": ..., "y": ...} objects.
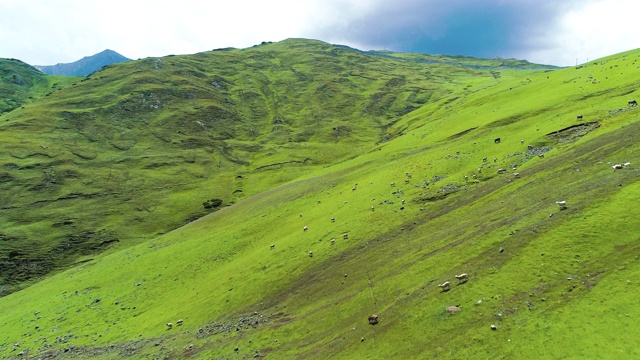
[
  {"x": 522, "y": 141},
  {"x": 169, "y": 326},
  {"x": 402, "y": 201},
  {"x": 497, "y": 141},
  {"x": 300, "y": 214},
  {"x": 462, "y": 278},
  {"x": 345, "y": 236},
  {"x": 319, "y": 201},
  {"x": 466, "y": 177},
  {"x": 445, "y": 286},
  {"x": 617, "y": 166},
  {"x": 373, "y": 319},
  {"x": 484, "y": 159},
  {"x": 474, "y": 176},
  {"x": 373, "y": 208},
  {"x": 406, "y": 181},
  {"x": 333, "y": 219},
  {"x": 310, "y": 253},
  {"x": 393, "y": 184},
  {"x": 452, "y": 309},
  {"x": 529, "y": 147},
  {"x": 333, "y": 241},
  {"x": 626, "y": 164},
  {"x": 480, "y": 170},
  {"x": 273, "y": 246},
  {"x": 501, "y": 171},
  {"x": 179, "y": 322},
  {"x": 305, "y": 228},
  {"x": 495, "y": 159},
  {"x": 632, "y": 103},
  {"x": 579, "y": 117},
  {"x": 562, "y": 204},
  {"x": 517, "y": 175},
  {"x": 408, "y": 175}
]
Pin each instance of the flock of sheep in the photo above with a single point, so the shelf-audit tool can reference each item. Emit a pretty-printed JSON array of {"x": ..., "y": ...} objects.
[{"x": 464, "y": 277}]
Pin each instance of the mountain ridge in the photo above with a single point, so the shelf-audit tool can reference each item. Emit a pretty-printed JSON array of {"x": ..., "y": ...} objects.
[{"x": 84, "y": 66}]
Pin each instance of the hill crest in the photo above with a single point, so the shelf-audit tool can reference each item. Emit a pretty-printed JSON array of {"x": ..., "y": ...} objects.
[{"x": 84, "y": 66}]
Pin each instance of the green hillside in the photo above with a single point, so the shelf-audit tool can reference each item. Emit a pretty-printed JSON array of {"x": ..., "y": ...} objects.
[
  {"x": 21, "y": 83},
  {"x": 273, "y": 276},
  {"x": 135, "y": 150}
]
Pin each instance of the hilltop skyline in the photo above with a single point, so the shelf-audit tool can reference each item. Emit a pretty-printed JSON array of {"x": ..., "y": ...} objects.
[{"x": 44, "y": 33}]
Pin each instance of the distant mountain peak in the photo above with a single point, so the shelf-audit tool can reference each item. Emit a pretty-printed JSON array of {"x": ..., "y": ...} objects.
[{"x": 84, "y": 66}]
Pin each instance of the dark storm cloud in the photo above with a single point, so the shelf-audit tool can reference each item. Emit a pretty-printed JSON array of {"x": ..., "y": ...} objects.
[{"x": 483, "y": 28}]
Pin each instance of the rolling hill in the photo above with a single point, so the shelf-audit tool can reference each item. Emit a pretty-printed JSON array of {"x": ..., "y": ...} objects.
[
  {"x": 84, "y": 66},
  {"x": 365, "y": 182},
  {"x": 144, "y": 147},
  {"x": 21, "y": 83}
]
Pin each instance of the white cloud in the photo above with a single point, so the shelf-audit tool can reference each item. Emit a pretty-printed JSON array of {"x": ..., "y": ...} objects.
[
  {"x": 47, "y": 32},
  {"x": 595, "y": 30}
]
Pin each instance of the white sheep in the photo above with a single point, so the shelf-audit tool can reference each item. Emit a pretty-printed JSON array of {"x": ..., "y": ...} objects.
[
  {"x": 562, "y": 204},
  {"x": 179, "y": 322},
  {"x": 393, "y": 184},
  {"x": 273, "y": 246},
  {"x": 617, "y": 166},
  {"x": 305, "y": 228},
  {"x": 445, "y": 286},
  {"x": 462, "y": 277},
  {"x": 169, "y": 326}
]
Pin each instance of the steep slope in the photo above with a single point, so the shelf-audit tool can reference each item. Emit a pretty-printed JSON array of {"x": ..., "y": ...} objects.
[
  {"x": 248, "y": 281},
  {"x": 84, "y": 66},
  {"x": 143, "y": 147},
  {"x": 20, "y": 83}
]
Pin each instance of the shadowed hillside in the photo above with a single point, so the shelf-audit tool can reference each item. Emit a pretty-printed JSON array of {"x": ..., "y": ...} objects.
[
  {"x": 20, "y": 83},
  {"x": 310, "y": 250}
]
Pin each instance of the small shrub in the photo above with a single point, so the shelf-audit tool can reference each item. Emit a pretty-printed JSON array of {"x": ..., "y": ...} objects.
[{"x": 212, "y": 203}]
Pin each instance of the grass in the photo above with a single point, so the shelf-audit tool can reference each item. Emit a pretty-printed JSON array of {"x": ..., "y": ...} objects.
[{"x": 562, "y": 278}]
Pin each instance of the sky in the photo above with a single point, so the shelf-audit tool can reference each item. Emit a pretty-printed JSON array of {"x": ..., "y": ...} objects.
[{"x": 554, "y": 32}]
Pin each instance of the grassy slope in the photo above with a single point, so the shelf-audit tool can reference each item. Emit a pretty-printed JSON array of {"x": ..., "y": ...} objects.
[
  {"x": 134, "y": 150},
  {"x": 21, "y": 83},
  {"x": 219, "y": 270}
]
